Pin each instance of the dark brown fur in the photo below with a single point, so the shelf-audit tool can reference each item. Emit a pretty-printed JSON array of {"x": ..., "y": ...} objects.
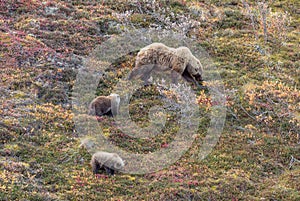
[{"x": 103, "y": 105}]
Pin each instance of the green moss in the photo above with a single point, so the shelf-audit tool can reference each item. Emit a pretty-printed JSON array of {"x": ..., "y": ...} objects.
[
  {"x": 141, "y": 20},
  {"x": 40, "y": 156},
  {"x": 232, "y": 18},
  {"x": 108, "y": 25}
]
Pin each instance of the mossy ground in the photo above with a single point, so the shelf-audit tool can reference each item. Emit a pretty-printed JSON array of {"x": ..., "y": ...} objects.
[{"x": 42, "y": 47}]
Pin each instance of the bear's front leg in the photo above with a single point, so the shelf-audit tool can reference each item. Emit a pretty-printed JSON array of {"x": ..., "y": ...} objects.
[{"x": 109, "y": 171}]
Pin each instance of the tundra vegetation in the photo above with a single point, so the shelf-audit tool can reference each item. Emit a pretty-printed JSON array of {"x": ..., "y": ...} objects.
[{"x": 255, "y": 47}]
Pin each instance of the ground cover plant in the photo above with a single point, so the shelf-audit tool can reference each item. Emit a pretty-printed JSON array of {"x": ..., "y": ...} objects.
[{"x": 255, "y": 47}]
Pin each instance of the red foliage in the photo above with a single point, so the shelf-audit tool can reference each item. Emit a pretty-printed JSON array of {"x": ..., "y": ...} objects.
[
  {"x": 164, "y": 145},
  {"x": 101, "y": 176}
]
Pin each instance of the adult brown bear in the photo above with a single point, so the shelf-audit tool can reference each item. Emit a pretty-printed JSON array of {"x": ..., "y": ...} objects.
[{"x": 159, "y": 57}]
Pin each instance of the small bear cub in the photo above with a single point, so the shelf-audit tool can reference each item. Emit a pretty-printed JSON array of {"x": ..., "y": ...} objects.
[
  {"x": 107, "y": 161},
  {"x": 105, "y": 105}
]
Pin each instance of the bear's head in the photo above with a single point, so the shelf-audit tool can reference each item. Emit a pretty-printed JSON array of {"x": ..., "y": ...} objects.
[
  {"x": 115, "y": 103},
  {"x": 192, "y": 64},
  {"x": 115, "y": 97},
  {"x": 195, "y": 69}
]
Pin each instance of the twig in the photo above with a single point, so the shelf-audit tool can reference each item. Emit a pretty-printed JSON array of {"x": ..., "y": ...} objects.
[
  {"x": 247, "y": 112},
  {"x": 139, "y": 7},
  {"x": 292, "y": 161},
  {"x": 263, "y": 12},
  {"x": 251, "y": 17}
]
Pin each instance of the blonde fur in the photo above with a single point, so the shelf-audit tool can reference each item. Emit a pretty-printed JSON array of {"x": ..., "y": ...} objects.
[
  {"x": 108, "y": 161},
  {"x": 181, "y": 60}
]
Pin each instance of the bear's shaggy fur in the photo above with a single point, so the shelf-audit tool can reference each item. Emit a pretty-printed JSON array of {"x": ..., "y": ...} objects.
[
  {"x": 180, "y": 60},
  {"x": 144, "y": 73},
  {"x": 108, "y": 161},
  {"x": 105, "y": 105}
]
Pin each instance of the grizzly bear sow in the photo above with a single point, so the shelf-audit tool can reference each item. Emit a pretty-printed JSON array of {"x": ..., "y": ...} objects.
[{"x": 159, "y": 57}]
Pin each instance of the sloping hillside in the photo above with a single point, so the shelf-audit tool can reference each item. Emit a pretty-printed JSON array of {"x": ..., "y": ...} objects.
[{"x": 254, "y": 46}]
